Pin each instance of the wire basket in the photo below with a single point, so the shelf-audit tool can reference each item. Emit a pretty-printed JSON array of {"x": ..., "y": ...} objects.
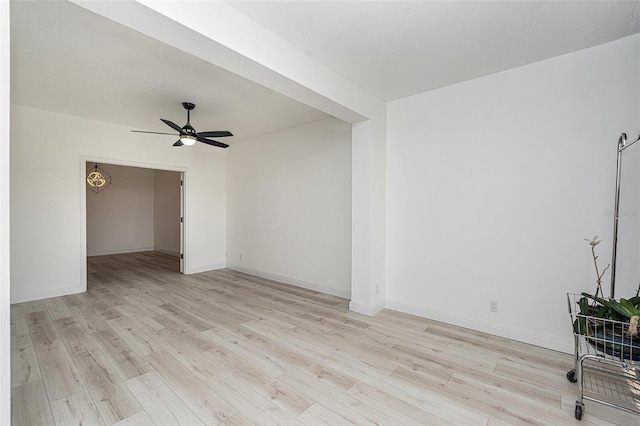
[{"x": 605, "y": 336}]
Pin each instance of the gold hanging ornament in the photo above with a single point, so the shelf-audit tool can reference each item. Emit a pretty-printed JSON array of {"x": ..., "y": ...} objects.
[{"x": 98, "y": 179}]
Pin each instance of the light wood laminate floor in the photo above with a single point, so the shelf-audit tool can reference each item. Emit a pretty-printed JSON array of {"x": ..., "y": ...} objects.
[{"x": 147, "y": 345}]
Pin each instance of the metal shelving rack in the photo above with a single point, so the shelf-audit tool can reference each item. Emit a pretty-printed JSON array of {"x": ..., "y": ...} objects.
[{"x": 607, "y": 364}]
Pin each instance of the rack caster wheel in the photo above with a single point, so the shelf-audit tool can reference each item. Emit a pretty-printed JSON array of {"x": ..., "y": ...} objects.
[
  {"x": 579, "y": 410},
  {"x": 571, "y": 376}
]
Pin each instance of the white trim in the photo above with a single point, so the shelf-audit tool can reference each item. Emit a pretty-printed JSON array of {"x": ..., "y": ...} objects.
[
  {"x": 205, "y": 268},
  {"x": 482, "y": 325},
  {"x": 37, "y": 295},
  {"x": 345, "y": 294},
  {"x": 120, "y": 162},
  {"x": 120, "y": 251},
  {"x": 365, "y": 309}
]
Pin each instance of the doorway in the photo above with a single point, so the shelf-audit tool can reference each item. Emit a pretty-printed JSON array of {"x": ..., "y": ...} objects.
[{"x": 141, "y": 210}]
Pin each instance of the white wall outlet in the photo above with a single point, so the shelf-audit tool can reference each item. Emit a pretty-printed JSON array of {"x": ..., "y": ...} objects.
[{"x": 493, "y": 305}]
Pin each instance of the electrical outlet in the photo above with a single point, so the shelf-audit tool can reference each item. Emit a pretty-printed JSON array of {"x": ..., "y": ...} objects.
[{"x": 493, "y": 305}]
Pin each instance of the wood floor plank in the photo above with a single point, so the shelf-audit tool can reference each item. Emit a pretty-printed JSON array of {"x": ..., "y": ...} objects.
[
  {"x": 189, "y": 319},
  {"x": 112, "y": 397},
  {"x": 146, "y": 343},
  {"x": 57, "y": 308},
  {"x": 286, "y": 338},
  {"x": 30, "y": 406},
  {"x": 138, "y": 419},
  {"x": 77, "y": 409},
  {"x": 41, "y": 327},
  {"x": 58, "y": 371},
  {"x": 163, "y": 406},
  {"x": 175, "y": 334},
  {"x": 422, "y": 398},
  {"x": 59, "y": 374},
  {"x": 320, "y": 415},
  {"x": 513, "y": 408},
  {"x": 88, "y": 318},
  {"x": 251, "y": 403},
  {"x": 246, "y": 350},
  {"x": 263, "y": 383},
  {"x": 34, "y": 306},
  {"x": 209, "y": 406},
  {"x": 135, "y": 338},
  {"x": 238, "y": 420},
  {"x": 340, "y": 403},
  {"x": 124, "y": 361},
  {"x": 74, "y": 336},
  {"x": 24, "y": 363},
  {"x": 138, "y": 313},
  {"x": 396, "y": 408}
]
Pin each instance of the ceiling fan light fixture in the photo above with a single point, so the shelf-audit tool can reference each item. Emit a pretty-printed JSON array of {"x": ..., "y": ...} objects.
[{"x": 188, "y": 140}]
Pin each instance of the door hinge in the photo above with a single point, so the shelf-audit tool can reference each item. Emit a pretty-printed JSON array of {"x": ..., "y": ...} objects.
[
  {"x": 181, "y": 219},
  {"x": 181, "y": 256},
  {"x": 181, "y": 182}
]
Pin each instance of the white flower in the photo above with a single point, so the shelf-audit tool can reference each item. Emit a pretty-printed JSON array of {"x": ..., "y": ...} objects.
[{"x": 593, "y": 242}]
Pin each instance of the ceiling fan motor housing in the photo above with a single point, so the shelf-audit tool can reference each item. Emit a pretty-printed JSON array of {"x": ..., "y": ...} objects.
[{"x": 189, "y": 131}]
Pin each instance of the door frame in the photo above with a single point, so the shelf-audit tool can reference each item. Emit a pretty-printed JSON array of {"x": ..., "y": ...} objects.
[{"x": 184, "y": 207}]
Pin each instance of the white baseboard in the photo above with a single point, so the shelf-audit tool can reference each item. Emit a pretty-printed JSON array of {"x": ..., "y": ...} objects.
[
  {"x": 482, "y": 325},
  {"x": 118, "y": 251},
  {"x": 205, "y": 268},
  {"x": 169, "y": 252},
  {"x": 345, "y": 294},
  {"x": 366, "y": 309},
  {"x": 46, "y": 294}
]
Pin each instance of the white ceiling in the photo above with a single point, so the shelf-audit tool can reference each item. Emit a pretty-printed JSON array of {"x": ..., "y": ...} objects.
[
  {"x": 395, "y": 49},
  {"x": 67, "y": 59}
]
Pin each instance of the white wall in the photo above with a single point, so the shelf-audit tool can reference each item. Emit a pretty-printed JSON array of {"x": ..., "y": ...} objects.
[
  {"x": 120, "y": 218},
  {"x": 166, "y": 212},
  {"x": 494, "y": 183},
  {"x": 289, "y": 206},
  {"x": 47, "y": 192},
  {"x": 5, "y": 339}
]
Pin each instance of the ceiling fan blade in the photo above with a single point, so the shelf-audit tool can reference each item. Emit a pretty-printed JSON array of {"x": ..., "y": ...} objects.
[
  {"x": 178, "y": 143},
  {"x": 155, "y": 133},
  {"x": 215, "y": 134},
  {"x": 210, "y": 142},
  {"x": 174, "y": 126}
]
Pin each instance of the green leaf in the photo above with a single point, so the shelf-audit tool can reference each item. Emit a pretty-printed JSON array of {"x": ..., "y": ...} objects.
[
  {"x": 584, "y": 306},
  {"x": 628, "y": 306},
  {"x": 621, "y": 309},
  {"x": 635, "y": 301},
  {"x": 603, "y": 312}
]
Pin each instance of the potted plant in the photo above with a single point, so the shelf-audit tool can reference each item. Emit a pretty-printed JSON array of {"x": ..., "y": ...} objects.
[{"x": 610, "y": 325}]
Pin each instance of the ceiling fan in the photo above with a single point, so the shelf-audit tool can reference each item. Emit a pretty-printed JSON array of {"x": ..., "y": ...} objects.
[{"x": 188, "y": 135}]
